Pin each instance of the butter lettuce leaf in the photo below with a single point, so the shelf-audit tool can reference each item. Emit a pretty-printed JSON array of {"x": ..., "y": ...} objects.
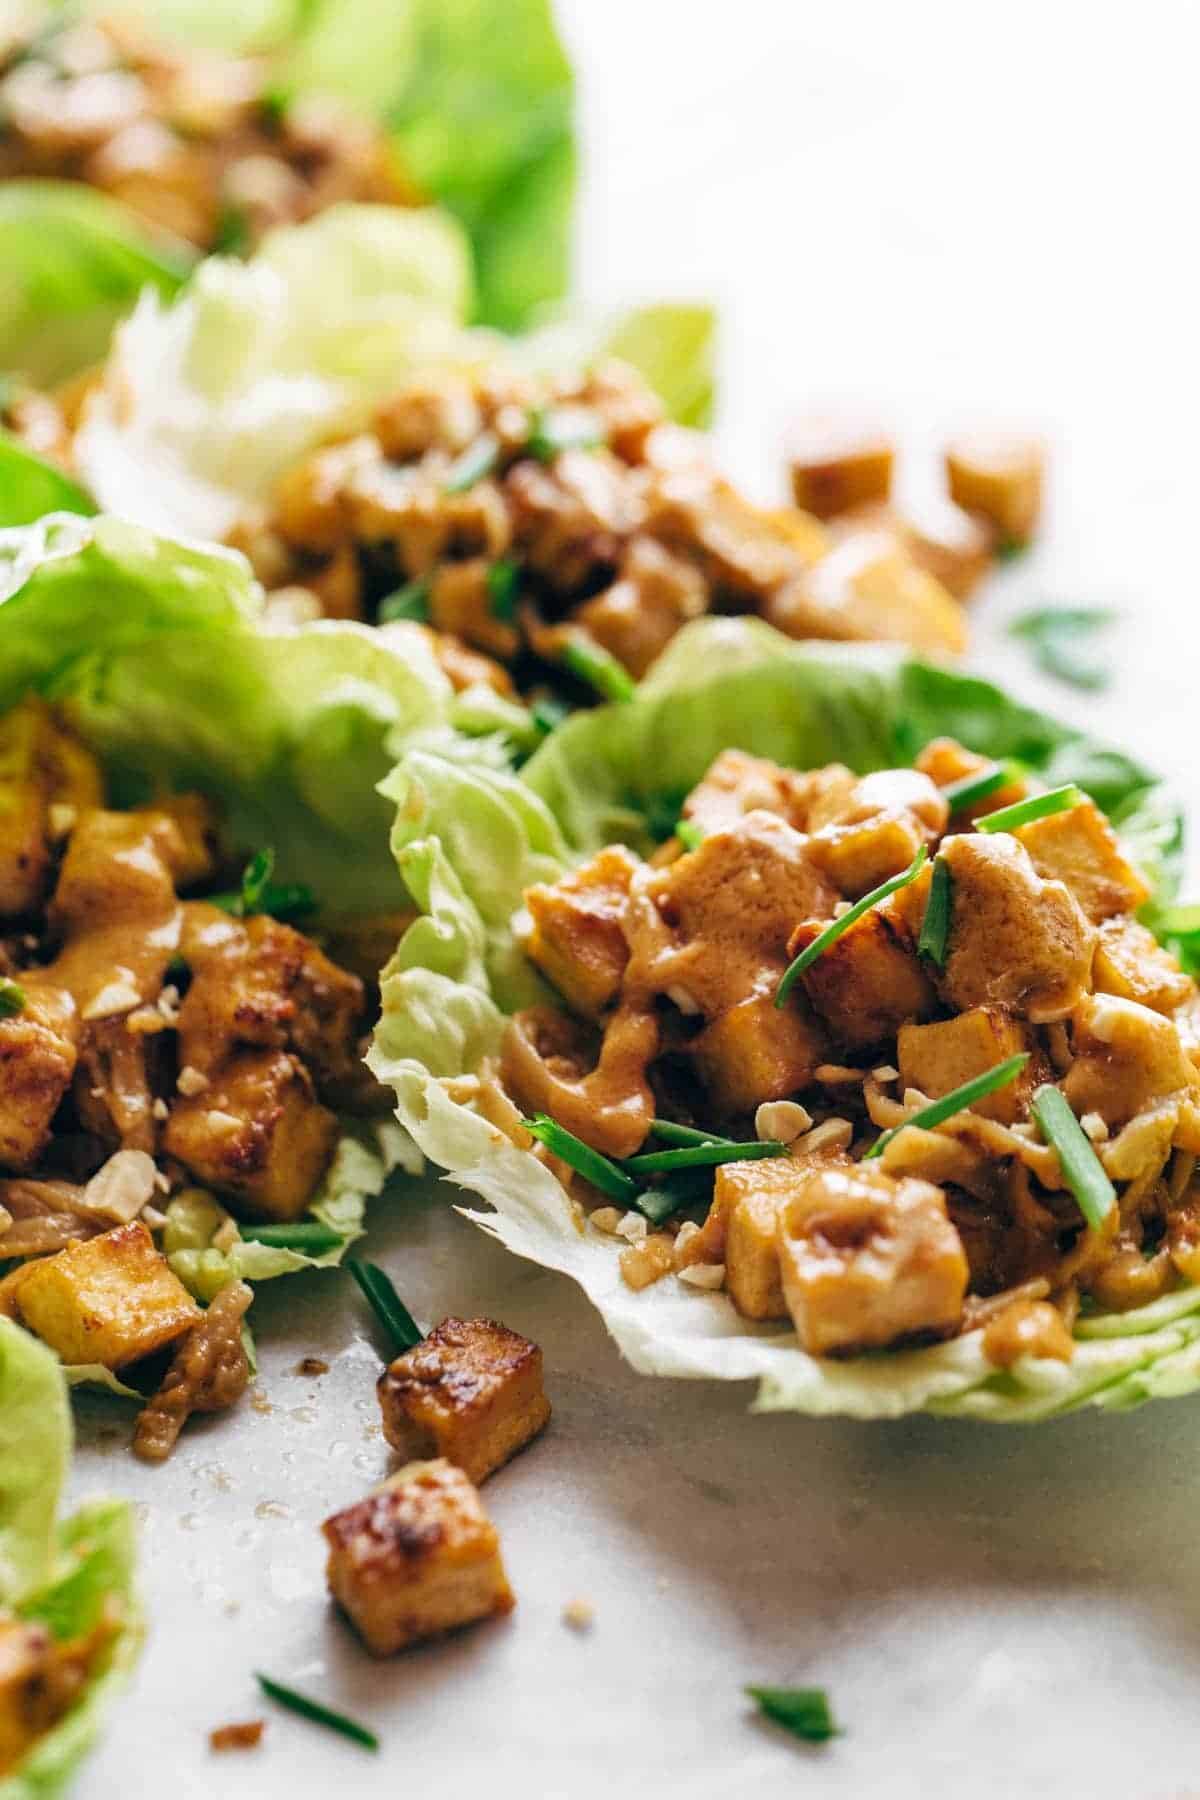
[
  {"x": 604, "y": 775},
  {"x": 30, "y": 487}
]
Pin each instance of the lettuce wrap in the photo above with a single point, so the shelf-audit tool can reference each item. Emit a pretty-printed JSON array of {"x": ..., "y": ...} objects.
[
  {"x": 73, "y": 1575},
  {"x": 154, "y": 650},
  {"x": 468, "y": 842}
]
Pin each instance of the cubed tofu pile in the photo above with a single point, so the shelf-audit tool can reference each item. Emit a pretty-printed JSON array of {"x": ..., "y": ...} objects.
[
  {"x": 543, "y": 528},
  {"x": 147, "y": 1043},
  {"x": 871, "y": 1226},
  {"x": 419, "y": 1556}
]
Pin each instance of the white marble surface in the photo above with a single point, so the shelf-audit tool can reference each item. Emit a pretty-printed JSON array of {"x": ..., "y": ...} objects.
[{"x": 947, "y": 210}]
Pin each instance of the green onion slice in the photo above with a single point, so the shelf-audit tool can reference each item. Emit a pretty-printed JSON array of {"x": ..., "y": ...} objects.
[
  {"x": 312, "y": 1709},
  {"x": 12, "y": 997},
  {"x": 256, "y": 879},
  {"x": 408, "y": 602},
  {"x": 657, "y": 1204},
  {"x": 683, "y": 1135},
  {"x": 1038, "y": 806},
  {"x": 476, "y": 461},
  {"x": 703, "y": 1156},
  {"x": 805, "y": 1712},
  {"x": 599, "y": 668},
  {"x": 1082, "y": 1169},
  {"x": 548, "y": 715},
  {"x": 553, "y": 429},
  {"x": 589, "y": 1163},
  {"x": 386, "y": 1304},
  {"x": 970, "y": 788},
  {"x": 956, "y": 1101},
  {"x": 833, "y": 932},
  {"x": 935, "y": 926},
  {"x": 503, "y": 582},
  {"x": 308, "y": 1236},
  {"x": 690, "y": 833},
  {"x": 259, "y": 894}
]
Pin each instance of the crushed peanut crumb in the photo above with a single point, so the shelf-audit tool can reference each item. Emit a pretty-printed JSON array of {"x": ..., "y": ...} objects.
[
  {"x": 191, "y": 1081},
  {"x": 579, "y": 1615},
  {"x": 841, "y": 908},
  {"x": 885, "y": 1072},
  {"x": 645, "y": 1263},
  {"x": 704, "y": 1275},
  {"x": 634, "y": 1227},
  {"x": 115, "y": 997},
  {"x": 833, "y": 1134},
  {"x": 687, "y": 1004},
  {"x": 781, "y": 1121},
  {"x": 1094, "y": 1127},
  {"x": 606, "y": 1219},
  {"x": 836, "y": 1074},
  {"x": 159, "y": 1109},
  {"x": 312, "y": 1365},
  {"x": 61, "y": 819}
]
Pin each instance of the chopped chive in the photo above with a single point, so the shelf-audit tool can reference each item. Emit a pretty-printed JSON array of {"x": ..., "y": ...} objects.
[
  {"x": 12, "y": 997},
  {"x": 309, "y": 1237},
  {"x": 804, "y": 1712},
  {"x": 274, "y": 103},
  {"x": 408, "y": 602},
  {"x": 1038, "y": 806},
  {"x": 1082, "y": 1169},
  {"x": 503, "y": 581},
  {"x": 589, "y": 1163},
  {"x": 956, "y": 1101},
  {"x": 548, "y": 715},
  {"x": 256, "y": 877},
  {"x": 313, "y": 1710},
  {"x": 684, "y": 1135},
  {"x": 553, "y": 429},
  {"x": 970, "y": 788},
  {"x": 386, "y": 1304},
  {"x": 259, "y": 894},
  {"x": 690, "y": 833},
  {"x": 935, "y": 926},
  {"x": 703, "y": 1156},
  {"x": 833, "y": 932},
  {"x": 599, "y": 668},
  {"x": 476, "y": 461},
  {"x": 232, "y": 236},
  {"x": 657, "y": 1204}
]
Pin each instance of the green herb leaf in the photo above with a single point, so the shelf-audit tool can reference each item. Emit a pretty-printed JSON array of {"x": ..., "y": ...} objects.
[
  {"x": 314, "y": 1711},
  {"x": 935, "y": 926},
  {"x": 386, "y": 1304},
  {"x": 553, "y": 429},
  {"x": 684, "y": 1135},
  {"x": 12, "y": 997},
  {"x": 1038, "y": 806},
  {"x": 833, "y": 932},
  {"x": 956, "y": 1101},
  {"x": 1060, "y": 639},
  {"x": 1082, "y": 1169},
  {"x": 690, "y": 833},
  {"x": 599, "y": 668},
  {"x": 408, "y": 602},
  {"x": 598, "y": 1169},
  {"x": 804, "y": 1712},
  {"x": 476, "y": 461},
  {"x": 970, "y": 788},
  {"x": 703, "y": 1156},
  {"x": 503, "y": 584},
  {"x": 308, "y": 1236}
]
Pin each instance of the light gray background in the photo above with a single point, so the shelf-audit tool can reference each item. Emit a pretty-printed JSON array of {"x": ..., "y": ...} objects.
[{"x": 950, "y": 211}]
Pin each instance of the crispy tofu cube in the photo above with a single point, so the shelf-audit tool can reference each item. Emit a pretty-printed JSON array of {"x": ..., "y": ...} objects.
[
  {"x": 310, "y": 499},
  {"x": 945, "y": 760},
  {"x": 868, "y": 982},
  {"x": 1131, "y": 963},
  {"x": 953, "y": 545},
  {"x": 577, "y": 940},
  {"x": 838, "y": 464},
  {"x": 460, "y": 601},
  {"x": 257, "y": 1133},
  {"x": 1126, "y": 1058},
  {"x": 747, "y": 1197},
  {"x": 41, "y": 764},
  {"x": 110, "y": 1299},
  {"x": 196, "y": 848},
  {"x": 39, "y": 1047},
  {"x": 1080, "y": 847},
  {"x": 941, "y": 1056},
  {"x": 471, "y": 1392},
  {"x": 1014, "y": 939},
  {"x": 867, "y": 1260},
  {"x": 1000, "y": 476},
  {"x": 858, "y": 856},
  {"x": 737, "y": 783},
  {"x": 868, "y": 587},
  {"x": 756, "y": 1052},
  {"x": 417, "y": 1557},
  {"x": 636, "y": 618}
]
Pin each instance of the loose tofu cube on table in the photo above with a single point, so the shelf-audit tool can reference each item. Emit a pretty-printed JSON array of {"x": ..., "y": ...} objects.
[
  {"x": 838, "y": 464},
  {"x": 1080, "y": 847},
  {"x": 999, "y": 475},
  {"x": 867, "y": 1260},
  {"x": 868, "y": 982},
  {"x": 471, "y": 1392},
  {"x": 939, "y": 1057},
  {"x": 417, "y": 1557},
  {"x": 577, "y": 940},
  {"x": 39, "y": 1047},
  {"x": 111, "y": 1299}
]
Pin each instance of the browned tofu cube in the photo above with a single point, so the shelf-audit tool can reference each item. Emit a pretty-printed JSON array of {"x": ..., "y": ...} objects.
[
  {"x": 310, "y": 504},
  {"x": 1000, "y": 476},
  {"x": 1132, "y": 963},
  {"x": 39, "y": 1047},
  {"x": 460, "y": 601},
  {"x": 837, "y": 464},
  {"x": 417, "y": 1557},
  {"x": 577, "y": 940},
  {"x": 756, "y": 1052},
  {"x": 859, "y": 856},
  {"x": 109, "y": 1300},
  {"x": 1126, "y": 1058},
  {"x": 257, "y": 1133},
  {"x": 941, "y": 1056},
  {"x": 471, "y": 1392},
  {"x": 868, "y": 587},
  {"x": 1080, "y": 847},
  {"x": 868, "y": 982},
  {"x": 747, "y": 1197},
  {"x": 953, "y": 545},
  {"x": 867, "y": 1260},
  {"x": 737, "y": 783},
  {"x": 41, "y": 764},
  {"x": 945, "y": 761}
]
